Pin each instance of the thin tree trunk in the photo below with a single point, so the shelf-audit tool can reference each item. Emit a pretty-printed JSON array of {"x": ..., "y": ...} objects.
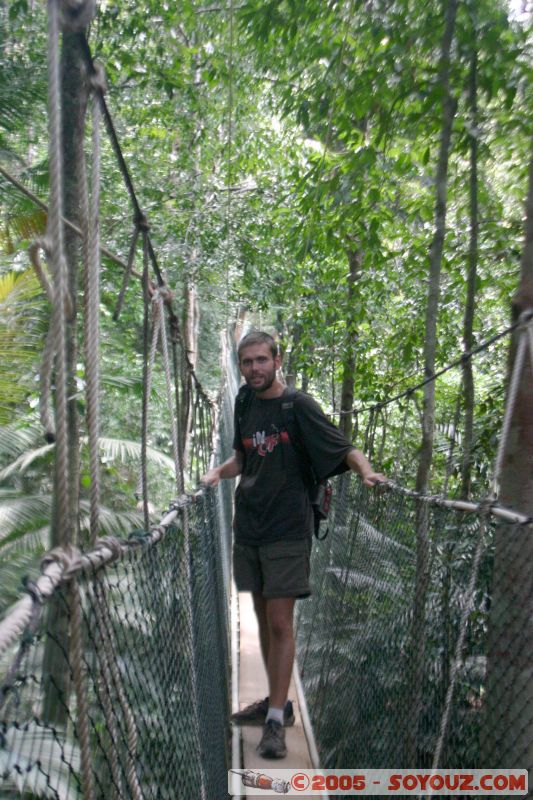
[
  {"x": 290, "y": 372},
  {"x": 348, "y": 361},
  {"x": 74, "y": 102},
  {"x": 507, "y": 730},
  {"x": 418, "y": 633},
  {"x": 191, "y": 309},
  {"x": 468, "y": 323}
]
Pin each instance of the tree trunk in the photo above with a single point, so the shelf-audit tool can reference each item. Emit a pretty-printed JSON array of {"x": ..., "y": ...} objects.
[
  {"x": 191, "y": 309},
  {"x": 290, "y": 372},
  {"x": 507, "y": 729},
  {"x": 348, "y": 362},
  {"x": 418, "y": 633},
  {"x": 468, "y": 323},
  {"x": 74, "y": 103}
]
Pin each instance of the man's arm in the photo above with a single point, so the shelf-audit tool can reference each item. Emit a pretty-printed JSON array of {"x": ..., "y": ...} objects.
[
  {"x": 360, "y": 464},
  {"x": 229, "y": 469}
]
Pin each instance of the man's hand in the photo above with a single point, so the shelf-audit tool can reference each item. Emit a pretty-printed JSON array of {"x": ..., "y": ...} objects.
[
  {"x": 211, "y": 477},
  {"x": 229, "y": 469},
  {"x": 372, "y": 479},
  {"x": 360, "y": 464}
]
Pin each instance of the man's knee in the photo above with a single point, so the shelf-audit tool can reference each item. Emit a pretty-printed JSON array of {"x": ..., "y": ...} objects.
[
  {"x": 259, "y": 604},
  {"x": 279, "y": 615}
]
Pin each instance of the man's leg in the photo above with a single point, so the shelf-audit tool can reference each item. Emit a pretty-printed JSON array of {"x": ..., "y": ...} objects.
[
  {"x": 261, "y": 614},
  {"x": 279, "y": 616}
]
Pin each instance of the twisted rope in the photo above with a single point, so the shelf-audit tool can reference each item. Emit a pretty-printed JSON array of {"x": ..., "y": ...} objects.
[
  {"x": 158, "y": 302},
  {"x": 55, "y": 237},
  {"x": 146, "y": 385},
  {"x": 61, "y": 564},
  {"x": 45, "y": 387},
  {"x": 92, "y": 304}
]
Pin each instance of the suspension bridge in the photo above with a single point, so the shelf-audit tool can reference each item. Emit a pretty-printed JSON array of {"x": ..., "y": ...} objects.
[{"x": 116, "y": 671}]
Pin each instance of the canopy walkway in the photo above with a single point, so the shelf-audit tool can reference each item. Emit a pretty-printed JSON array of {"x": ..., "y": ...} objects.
[{"x": 115, "y": 665}]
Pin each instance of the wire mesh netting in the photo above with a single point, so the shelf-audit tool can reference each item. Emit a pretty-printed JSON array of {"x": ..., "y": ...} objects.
[
  {"x": 377, "y": 640},
  {"x": 154, "y": 635}
]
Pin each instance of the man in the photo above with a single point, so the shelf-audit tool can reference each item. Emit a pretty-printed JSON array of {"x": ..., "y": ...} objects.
[{"x": 273, "y": 515}]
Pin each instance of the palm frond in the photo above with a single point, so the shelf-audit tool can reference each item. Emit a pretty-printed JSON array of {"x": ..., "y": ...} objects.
[
  {"x": 21, "y": 464},
  {"x": 121, "y": 450},
  {"x": 112, "y": 523},
  {"x": 125, "y": 451},
  {"x": 20, "y": 229},
  {"x": 21, "y": 514},
  {"x": 15, "y": 440}
]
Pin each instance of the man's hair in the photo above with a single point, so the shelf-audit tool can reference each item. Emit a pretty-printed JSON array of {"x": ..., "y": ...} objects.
[{"x": 258, "y": 337}]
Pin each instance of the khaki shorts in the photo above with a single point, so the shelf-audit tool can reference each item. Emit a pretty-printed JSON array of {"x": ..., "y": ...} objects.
[{"x": 277, "y": 569}]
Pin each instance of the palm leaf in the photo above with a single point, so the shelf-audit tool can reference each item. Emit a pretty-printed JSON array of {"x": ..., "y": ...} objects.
[
  {"x": 23, "y": 513},
  {"x": 126, "y": 451},
  {"x": 121, "y": 450},
  {"x": 15, "y": 440},
  {"x": 21, "y": 464}
]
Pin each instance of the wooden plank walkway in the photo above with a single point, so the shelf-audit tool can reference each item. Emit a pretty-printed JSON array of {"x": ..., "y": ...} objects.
[{"x": 253, "y": 685}]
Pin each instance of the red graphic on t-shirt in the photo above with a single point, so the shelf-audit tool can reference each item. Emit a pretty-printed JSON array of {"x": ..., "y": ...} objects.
[{"x": 264, "y": 444}]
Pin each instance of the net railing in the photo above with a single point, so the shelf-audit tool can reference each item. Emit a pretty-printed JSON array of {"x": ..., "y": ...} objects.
[
  {"x": 377, "y": 670},
  {"x": 116, "y": 682}
]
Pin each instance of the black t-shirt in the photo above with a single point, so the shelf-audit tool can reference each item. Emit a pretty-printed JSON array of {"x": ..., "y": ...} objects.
[{"x": 272, "y": 499}]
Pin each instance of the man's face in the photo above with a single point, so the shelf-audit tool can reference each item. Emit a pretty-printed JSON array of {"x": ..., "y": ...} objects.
[{"x": 258, "y": 367}]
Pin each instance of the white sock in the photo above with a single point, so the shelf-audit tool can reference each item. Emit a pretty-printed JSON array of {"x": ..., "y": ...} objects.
[{"x": 275, "y": 714}]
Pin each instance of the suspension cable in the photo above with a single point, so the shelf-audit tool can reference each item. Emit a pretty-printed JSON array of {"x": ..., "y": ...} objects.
[{"x": 464, "y": 357}]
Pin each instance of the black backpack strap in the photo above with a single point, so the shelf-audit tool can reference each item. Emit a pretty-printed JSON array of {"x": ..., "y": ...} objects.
[
  {"x": 290, "y": 421},
  {"x": 243, "y": 401}
]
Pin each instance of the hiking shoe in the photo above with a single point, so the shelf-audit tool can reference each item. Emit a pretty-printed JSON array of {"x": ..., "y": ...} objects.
[
  {"x": 272, "y": 744},
  {"x": 255, "y": 714}
]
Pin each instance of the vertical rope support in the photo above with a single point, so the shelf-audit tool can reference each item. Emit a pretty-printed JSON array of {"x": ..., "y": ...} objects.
[
  {"x": 146, "y": 389},
  {"x": 55, "y": 235},
  {"x": 45, "y": 381},
  {"x": 158, "y": 300},
  {"x": 78, "y": 678},
  {"x": 92, "y": 333}
]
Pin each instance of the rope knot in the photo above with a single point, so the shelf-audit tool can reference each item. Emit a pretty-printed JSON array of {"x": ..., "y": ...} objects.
[
  {"x": 76, "y": 14},
  {"x": 165, "y": 293},
  {"x": 31, "y": 588},
  {"x": 69, "y": 558},
  {"x": 110, "y": 543},
  {"x": 97, "y": 80},
  {"x": 140, "y": 221},
  {"x": 487, "y": 504}
]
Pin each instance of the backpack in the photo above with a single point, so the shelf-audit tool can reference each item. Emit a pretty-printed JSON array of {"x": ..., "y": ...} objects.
[{"x": 320, "y": 492}]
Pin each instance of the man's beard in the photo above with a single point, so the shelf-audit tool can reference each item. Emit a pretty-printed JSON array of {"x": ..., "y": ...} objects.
[{"x": 268, "y": 380}]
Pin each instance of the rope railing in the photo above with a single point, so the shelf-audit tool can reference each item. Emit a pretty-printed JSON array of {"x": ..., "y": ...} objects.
[
  {"x": 147, "y": 623},
  {"x": 114, "y": 660},
  {"x": 485, "y": 345},
  {"x": 358, "y": 635}
]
